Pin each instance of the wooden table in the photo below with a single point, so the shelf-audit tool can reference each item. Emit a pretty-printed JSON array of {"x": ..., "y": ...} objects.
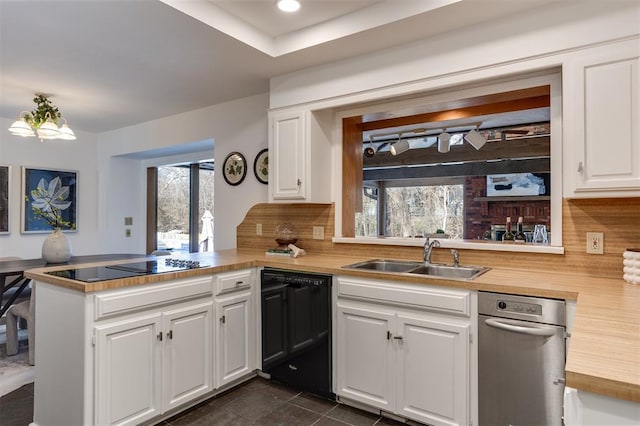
[{"x": 10, "y": 268}]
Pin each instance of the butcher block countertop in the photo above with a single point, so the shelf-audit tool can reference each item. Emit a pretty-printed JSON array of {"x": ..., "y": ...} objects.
[{"x": 604, "y": 352}]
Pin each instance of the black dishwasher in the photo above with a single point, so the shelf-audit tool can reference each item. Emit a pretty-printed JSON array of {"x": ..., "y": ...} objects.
[{"x": 296, "y": 329}]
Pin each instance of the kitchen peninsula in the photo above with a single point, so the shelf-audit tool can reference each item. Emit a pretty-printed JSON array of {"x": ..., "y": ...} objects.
[{"x": 602, "y": 357}]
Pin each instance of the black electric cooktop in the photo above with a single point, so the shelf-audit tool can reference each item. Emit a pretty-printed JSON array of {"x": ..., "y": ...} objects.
[{"x": 126, "y": 270}]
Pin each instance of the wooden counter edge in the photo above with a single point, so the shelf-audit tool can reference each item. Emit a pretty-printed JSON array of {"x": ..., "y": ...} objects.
[{"x": 603, "y": 386}]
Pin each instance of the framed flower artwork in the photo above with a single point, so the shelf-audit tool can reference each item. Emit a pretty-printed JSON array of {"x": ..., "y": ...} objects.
[
  {"x": 234, "y": 168},
  {"x": 49, "y": 200},
  {"x": 261, "y": 166}
]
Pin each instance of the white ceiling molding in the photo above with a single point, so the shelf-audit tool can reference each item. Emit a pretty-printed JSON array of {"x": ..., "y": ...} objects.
[
  {"x": 210, "y": 14},
  {"x": 376, "y": 15}
]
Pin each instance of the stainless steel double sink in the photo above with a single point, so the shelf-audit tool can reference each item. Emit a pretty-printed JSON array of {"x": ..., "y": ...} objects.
[{"x": 420, "y": 268}]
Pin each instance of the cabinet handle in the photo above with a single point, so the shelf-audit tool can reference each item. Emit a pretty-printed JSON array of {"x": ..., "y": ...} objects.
[
  {"x": 299, "y": 182},
  {"x": 389, "y": 335},
  {"x": 223, "y": 319},
  {"x": 397, "y": 337},
  {"x": 580, "y": 168},
  {"x": 159, "y": 336},
  {"x": 170, "y": 334},
  {"x": 238, "y": 283}
]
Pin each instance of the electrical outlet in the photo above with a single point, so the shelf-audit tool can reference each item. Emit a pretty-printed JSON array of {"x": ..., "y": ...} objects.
[
  {"x": 127, "y": 232},
  {"x": 258, "y": 229},
  {"x": 318, "y": 232},
  {"x": 595, "y": 242}
]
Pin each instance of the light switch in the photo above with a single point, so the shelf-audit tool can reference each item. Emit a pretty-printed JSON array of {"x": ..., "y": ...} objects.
[{"x": 128, "y": 221}]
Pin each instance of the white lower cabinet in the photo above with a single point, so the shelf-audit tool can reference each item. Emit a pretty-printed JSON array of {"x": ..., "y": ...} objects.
[
  {"x": 432, "y": 369},
  {"x": 188, "y": 357},
  {"x": 128, "y": 366},
  {"x": 410, "y": 362},
  {"x": 130, "y": 355},
  {"x": 365, "y": 356},
  {"x": 153, "y": 363},
  {"x": 234, "y": 337}
]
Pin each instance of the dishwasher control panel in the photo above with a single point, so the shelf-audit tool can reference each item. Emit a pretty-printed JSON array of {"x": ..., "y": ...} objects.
[
  {"x": 519, "y": 307},
  {"x": 527, "y": 308}
]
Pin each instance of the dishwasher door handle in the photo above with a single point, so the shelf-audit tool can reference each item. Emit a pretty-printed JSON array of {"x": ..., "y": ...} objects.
[{"x": 521, "y": 327}]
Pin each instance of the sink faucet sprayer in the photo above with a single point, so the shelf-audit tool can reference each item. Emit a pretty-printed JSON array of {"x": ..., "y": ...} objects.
[
  {"x": 456, "y": 257},
  {"x": 428, "y": 246}
]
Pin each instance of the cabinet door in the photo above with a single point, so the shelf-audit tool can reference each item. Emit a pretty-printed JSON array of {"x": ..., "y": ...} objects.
[
  {"x": 288, "y": 154},
  {"x": 607, "y": 137},
  {"x": 234, "y": 337},
  {"x": 433, "y": 370},
  {"x": 188, "y": 355},
  {"x": 128, "y": 369},
  {"x": 365, "y": 358}
]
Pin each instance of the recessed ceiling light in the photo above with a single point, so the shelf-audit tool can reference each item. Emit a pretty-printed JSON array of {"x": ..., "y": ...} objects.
[{"x": 288, "y": 5}]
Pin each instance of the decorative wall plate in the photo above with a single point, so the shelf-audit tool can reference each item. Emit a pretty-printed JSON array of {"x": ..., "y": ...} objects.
[
  {"x": 261, "y": 166},
  {"x": 234, "y": 168}
]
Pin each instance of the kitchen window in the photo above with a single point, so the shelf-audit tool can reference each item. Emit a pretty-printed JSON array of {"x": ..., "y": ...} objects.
[
  {"x": 521, "y": 124},
  {"x": 396, "y": 210},
  {"x": 173, "y": 224}
]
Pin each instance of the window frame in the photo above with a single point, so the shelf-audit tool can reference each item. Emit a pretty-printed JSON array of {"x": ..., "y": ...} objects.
[{"x": 351, "y": 158}]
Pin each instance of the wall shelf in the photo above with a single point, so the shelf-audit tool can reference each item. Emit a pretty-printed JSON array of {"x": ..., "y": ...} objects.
[{"x": 516, "y": 198}]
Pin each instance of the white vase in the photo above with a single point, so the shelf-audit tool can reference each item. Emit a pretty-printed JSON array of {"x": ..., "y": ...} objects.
[{"x": 56, "y": 248}]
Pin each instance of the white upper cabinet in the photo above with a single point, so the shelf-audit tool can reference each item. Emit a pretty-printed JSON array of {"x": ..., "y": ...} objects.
[
  {"x": 288, "y": 148},
  {"x": 299, "y": 151},
  {"x": 601, "y": 119}
]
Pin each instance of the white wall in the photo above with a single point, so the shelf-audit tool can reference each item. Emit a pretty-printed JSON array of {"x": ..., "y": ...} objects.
[
  {"x": 239, "y": 125},
  {"x": 112, "y": 185},
  {"x": 77, "y": 155}
]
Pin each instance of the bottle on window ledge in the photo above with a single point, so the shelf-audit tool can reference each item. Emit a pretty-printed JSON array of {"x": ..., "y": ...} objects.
[
  {"x": 520, "y": 237},
  {"x": 508, "y": 235}
]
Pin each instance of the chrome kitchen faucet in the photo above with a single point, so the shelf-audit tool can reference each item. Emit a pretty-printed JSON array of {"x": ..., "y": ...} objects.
[{"x": 428, "y": 247}]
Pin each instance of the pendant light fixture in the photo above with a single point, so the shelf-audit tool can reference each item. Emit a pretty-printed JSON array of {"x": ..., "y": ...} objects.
[{"x": 42, "y": 121}]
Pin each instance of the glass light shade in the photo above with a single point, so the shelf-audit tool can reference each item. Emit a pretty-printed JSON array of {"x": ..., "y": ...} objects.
[
  {"x": 288, "y": 5},
  {"x": 399, "y": 147},
  {"x": 21, "y": 128},
  {"x": 66, "y": 133},
  {"x": 48, "y": 130},
  {"x": 443, "y": 142},
  {"x": 475, "y": 139}
]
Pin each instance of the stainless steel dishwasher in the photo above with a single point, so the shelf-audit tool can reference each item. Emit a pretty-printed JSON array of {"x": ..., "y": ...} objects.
[{"x": 521, "y": 360}]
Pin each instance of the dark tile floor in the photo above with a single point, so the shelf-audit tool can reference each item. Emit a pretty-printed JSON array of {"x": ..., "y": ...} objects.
[
  {"x": 16, "y": 408},
  {"x": 257, "y": 402}
]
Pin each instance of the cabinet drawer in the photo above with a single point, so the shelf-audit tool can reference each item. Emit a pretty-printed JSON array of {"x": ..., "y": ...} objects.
[
  {"x": 232, "y": 281},
  {"x": 121, "y": 302},
  {"x": 418, "y": 296}
]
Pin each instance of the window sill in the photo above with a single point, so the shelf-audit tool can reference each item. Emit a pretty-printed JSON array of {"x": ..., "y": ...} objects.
[{"x": 454, "y": 244}]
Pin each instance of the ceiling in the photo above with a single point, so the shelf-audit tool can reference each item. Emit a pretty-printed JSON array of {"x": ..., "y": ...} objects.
[{"x": 109, "y": 64}]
